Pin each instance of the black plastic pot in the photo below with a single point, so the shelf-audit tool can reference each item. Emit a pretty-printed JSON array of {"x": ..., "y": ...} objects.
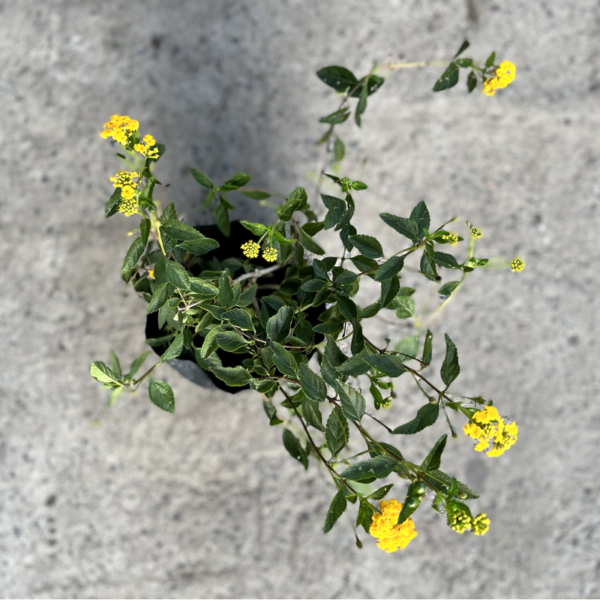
[{"x": 186, "y": 364}]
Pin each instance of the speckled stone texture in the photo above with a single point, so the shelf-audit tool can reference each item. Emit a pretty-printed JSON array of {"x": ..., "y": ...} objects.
[{"x": 206, "y": 502}]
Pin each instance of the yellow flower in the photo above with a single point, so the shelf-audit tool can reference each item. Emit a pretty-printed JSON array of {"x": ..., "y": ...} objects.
[
  {"x": 128, "y": 206},
  {"x": 480, "y": 525},
  {"x": 505, "y": 73},
  {"x": 123, "y": 178},
  {"x": 147, "y": 148},
  {"x": 476, "y": 233},
  {"x": 517, "y": 265},
  {"x": 488, "y": 428},
  {"x": 451, "y": 238},
  {"x": 127, "y": 192},
  {"x": 251, "y": 249},
  {"x": 151, "y": 273},
  {"x": 384, "y": 527},
  {"x": 119, "y": 128},
  {"x": 270, "y": 255},
  {"x": 461, "y": 521}
]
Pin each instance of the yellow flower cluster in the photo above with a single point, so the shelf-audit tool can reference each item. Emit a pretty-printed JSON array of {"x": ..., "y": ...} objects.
[
  {"x": 384, "y": 527},
  {"x": 128, "y": 206},
  {"x": 451, "y": 238},
  {"x": 148, "y": 147},
  {"x": 517, "y": 265},
  {"x": 251, "y": 249},
  {"x": 270, "y": 255},
  {"x": 124, "y": 178},
  {"x": 504, "y": 75},
  {"x": 461, "y": 521},
  {"x": 476, "y": 233},
  {"x": 480, "y": 525},
  {"x": 488, "y": 428},
  {"x": 119, "y": 128}
]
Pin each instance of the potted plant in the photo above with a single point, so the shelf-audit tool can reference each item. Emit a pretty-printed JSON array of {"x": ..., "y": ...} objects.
[{"x": 244, "y": 304}]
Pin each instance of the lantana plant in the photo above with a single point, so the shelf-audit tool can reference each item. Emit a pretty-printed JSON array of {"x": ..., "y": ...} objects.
[{"x": 286, "y": 312}]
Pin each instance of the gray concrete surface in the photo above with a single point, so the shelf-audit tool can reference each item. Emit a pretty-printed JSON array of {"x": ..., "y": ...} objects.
[{"x": 206, "y": 503}]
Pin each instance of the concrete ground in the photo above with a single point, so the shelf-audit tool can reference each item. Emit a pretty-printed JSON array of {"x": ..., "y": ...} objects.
[{"x": 206, "y": 502}]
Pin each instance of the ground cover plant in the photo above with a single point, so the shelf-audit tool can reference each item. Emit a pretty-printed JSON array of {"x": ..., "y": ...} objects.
[{"x": 279, "y": 315}]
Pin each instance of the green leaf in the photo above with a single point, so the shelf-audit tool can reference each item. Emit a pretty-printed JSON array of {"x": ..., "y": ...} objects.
[
  {"x": 200, "y": 246},
  {"x": 287, "y": 209},
  {"x": 405, "y": 227},
  {"x": 345, "y": 277},
  {"x": 362, "y": 263},
  {"x": 308, "y": 242},
  {"x": 389, "y": 268},
  {"x": 337, "y": 432},
  {"x": 237, "y": 181},
  {"x": 358, "y": 339},
  {"x": 450, "y": 368},
  {"x": 381, "y": 492},
  {"x": 408, "y": 347},
  {"x": 174, "y": 350},
  {"x": 354, "y": 366},
  {"x": 368, "y": 246},
  {"x": 239, "y": 317},
  {"x": 256, "y": 228},
  {"x": 162, "y": 395},
  {"x": 347, "y": 308},
  {"x": 202, "y": 179},
  {"x": 222, "y": 220},
  {"x": 337, "y": 117},
  {"x": 284, "y": 360},
  {"x": 464, "y": 62},
  {"x": 462, "y": 48},
  {"x": 278, "y": 326},
  {"x": 180, "y": 231},
  {"x": 247, "y": 295},
  {"x": 434, "y": 458},
  {"x": 339, "y": 78},
  {"x": 359, "y": 185},
  {"x": 160, "y": 296},
  {"x": 132, "y": 257},
  {"x": 225, "y": 291},
  {"x": 209, "y": 345},
  {"x": 232, "y": 376},
  {"x": 426, "y": 416},
  {"x": 490, "y": 60},
  {"x": 177, "y": 275},
  {"x": 312, "y": 413},
  {"x": 336, "y": 510},
  {"x": 330, "y": 327},
  {"x": 255, "y": 195},
  {"x": 362, "y": 102},
  {"x": 420, "y": 215},
  {"x": 113, "y": 203},
  {"x": 405, "y": 307},
  {"x": 448, "y": 288},
  {"x": 230, "y": 341},
  {"x": 389, "y": 364},
  {"x": 440, "y": 481},
  {"x": 428, "y": 348},
  {"x": 410, "y": 504},
  {"x": 445, "y": 260},
  {"x": 389, "y": 290},
  {"x": 100, "y": 372},
  {"x": 369, "y": 311},
  {"x": 314, "y": 285},
  {"x": 293, "y": 446},
  {"x": 136, "y": 364},
  {"x": 448, "y": 79},
  {"x": 379, "y": 467},
  {"x": 201, "y": 289},
  {"x": 271, "y": 412},
  {"x": 313, "y": 386},
  {"x": 353, "y": 402},
  {"x": 339, "y": 150},
  {"x": 471, "y": 81}
]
